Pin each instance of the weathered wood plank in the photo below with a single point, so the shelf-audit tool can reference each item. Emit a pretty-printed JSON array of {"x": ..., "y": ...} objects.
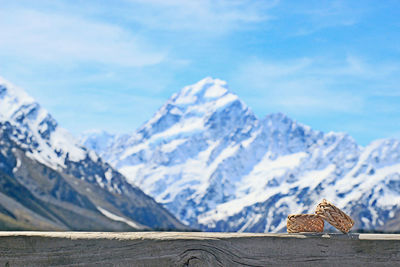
[{"x": 196, "y": 249}]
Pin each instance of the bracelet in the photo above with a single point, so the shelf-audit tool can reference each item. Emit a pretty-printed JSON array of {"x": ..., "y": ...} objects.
[
  {"x": 334, "y": 216},
  {"x": 297, "y": 223}
]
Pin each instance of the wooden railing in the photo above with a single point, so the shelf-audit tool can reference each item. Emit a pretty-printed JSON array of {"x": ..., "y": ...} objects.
[{"x": 197, "y": 249}]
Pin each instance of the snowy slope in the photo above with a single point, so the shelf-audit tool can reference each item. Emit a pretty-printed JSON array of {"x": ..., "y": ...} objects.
[
  {"x": 216, "y": 166},
  {"x": 27, "y": 127},
  {"x": 22, "y": 110},
  {"x": 49, "y": 144}
]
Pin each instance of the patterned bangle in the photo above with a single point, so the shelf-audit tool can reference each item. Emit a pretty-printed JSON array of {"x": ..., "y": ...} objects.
[
  {"x": 297, "y": 223},
  {"x": 334, "y": 216}
]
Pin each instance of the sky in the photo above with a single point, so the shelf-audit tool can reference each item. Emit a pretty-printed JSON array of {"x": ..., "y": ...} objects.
[{"x": 332, "y": 65}]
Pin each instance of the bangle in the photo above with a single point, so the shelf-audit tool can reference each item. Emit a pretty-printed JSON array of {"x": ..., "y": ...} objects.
[
  {"x": 334, "y": 216},
  {"x": 297, "y": 223}
]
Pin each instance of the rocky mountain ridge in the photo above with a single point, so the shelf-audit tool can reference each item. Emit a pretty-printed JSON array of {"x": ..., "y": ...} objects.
[{"x": 65, "y": 185}]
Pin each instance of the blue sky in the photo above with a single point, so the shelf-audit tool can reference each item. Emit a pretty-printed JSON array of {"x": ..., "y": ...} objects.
[{"x": 333, "y": 65}]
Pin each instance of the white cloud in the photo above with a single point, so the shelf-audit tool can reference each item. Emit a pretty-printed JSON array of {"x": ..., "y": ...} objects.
[{"x": 64, "y": 38}]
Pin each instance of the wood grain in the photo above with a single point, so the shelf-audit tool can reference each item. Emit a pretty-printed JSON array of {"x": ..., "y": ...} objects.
[{"x": 196, "y": 249}]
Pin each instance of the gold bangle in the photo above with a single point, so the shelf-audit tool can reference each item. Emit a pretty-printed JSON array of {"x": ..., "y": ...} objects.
[
  {"x": 334, "y": 216},
  {"x": 297, "y": 223}
]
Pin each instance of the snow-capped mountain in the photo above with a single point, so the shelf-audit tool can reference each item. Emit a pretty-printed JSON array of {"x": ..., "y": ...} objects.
[
  {"x": 45, "y": 161},
  {"x": 216, "y": 166}
]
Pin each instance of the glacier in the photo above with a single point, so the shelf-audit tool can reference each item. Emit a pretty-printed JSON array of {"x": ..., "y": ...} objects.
[{"x": 212, "y": 163}]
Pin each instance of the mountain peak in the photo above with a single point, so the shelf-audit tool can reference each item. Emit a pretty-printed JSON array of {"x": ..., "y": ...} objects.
[
  {"x": 195, "y": 108},
  {"x": 203, "y": 91},
  {"x": 12, "y": 98},
  {"x": 12, "y": 89}
]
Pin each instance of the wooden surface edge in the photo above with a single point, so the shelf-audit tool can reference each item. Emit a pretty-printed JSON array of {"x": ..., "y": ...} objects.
[{"x": 195, "y": 235}]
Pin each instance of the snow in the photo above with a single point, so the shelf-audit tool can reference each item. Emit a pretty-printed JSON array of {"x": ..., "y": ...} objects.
[
  {"x": 108, "y": 174},
  {"x": 117, "y": 218},
  {"x": 266, "y": 169},
  {"x": 130, "y": 172},
  {"x": 186, "y": 99},
  {"x": 365, "y": 220},
  {"x": 17, "y": 165},
  {"x": 93, "y": 156},
  {"x": 312, "y": 178},
  {"x": 133, "y": 150},
  {"x": 187, "y": 126},
  {"x": 63, "y": 140},
  {"x": 249, "y": 222},
  {"x": 281, "y": 162},
  {"x": 12, "y": 99},
  {"x": 98, "y": 140},
  {"x": 171, "y": 146},
  {"x": 223, "y": 101},
  {"x": 250, "y": 140},
  {"x": 215, "y": 91}
]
